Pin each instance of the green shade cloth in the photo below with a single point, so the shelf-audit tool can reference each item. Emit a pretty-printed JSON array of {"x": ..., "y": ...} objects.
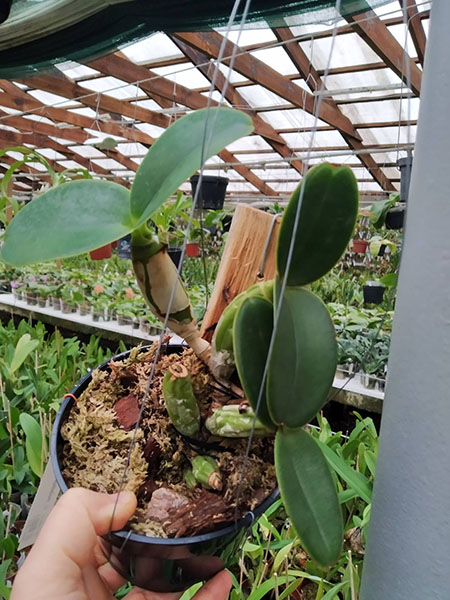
[{"x": 41, "y": 33}]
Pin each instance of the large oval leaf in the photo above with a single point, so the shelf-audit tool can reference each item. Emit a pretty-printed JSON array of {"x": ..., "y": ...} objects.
[
  {"x": 180, "y": 151},
  {"x": 253, "y": 328},
  {"x": 309, "y": 494},
  {"x": 303, "y": 361},
  {"x": 327, "y": 218},
  {"x": 67, "y": 220}
]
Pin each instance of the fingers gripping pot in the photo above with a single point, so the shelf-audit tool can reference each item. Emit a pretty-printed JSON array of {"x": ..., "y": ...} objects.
[{"x": 159, "y": 564}]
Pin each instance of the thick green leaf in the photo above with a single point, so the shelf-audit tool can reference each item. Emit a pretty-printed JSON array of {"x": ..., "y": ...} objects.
[
  {"x": 327, "y": 218},
  {"x": 180, "y": 151},
  {"x": 67, "y": 220},
  {"x": 309, "y": 494},
  {"x": 303, "y": 361},
  {"x": 24, "y": 346},
  {"x": 34, "y": 443},
  {"x": 252, "y": 331},
  {"x": 352, "y": 478}
]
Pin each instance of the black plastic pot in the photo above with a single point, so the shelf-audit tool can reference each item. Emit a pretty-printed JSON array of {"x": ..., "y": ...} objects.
[
  {"x": 161, "y": 564},
  {"x": 212, "y": 191},
  {"x": 405, "y": 166},
  {"x": 373, "y": 294},
  {"x": 175, "y": 254},
  {"x": 382, "y": 250},
  {"x": 395, "y": 219}
]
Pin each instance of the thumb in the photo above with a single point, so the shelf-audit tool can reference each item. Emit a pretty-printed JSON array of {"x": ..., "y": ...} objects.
[{"x": 78, "y": 518}]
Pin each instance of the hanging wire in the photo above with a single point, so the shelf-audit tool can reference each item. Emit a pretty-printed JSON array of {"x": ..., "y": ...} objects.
[
  {"x": 288, "y": 265},
  {"x": 206, "y": 137}
]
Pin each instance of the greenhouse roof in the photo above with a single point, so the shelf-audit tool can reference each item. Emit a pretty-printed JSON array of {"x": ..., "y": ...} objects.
[{"x": 361, "y": 76}]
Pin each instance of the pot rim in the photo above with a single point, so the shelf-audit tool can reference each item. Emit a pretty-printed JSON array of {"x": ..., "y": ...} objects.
[{"x": 127, "y": 535}]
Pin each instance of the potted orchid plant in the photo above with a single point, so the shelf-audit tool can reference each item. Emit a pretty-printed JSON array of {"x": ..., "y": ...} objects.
[{"x": 277, "y": 337}]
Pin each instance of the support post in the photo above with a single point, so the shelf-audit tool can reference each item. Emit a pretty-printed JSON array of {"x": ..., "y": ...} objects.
[{"x": 408, "y": 549}]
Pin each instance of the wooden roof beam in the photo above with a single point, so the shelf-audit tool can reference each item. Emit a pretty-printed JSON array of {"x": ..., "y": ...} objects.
[
  {"x": 274, "y": 139},
  {"x": 164, "y": 88},
  {"x": 415, "y": 28},
  {"x": 376, "y": 35},
  {"x": 128, "y": 71},
  {"x": 20, "y": 100},
  {"x": 210, "y": 43},
  {"x": 65, "y": 87},
  {"x": 12, "y": 138},
  {"x": 315, "y": 82}
]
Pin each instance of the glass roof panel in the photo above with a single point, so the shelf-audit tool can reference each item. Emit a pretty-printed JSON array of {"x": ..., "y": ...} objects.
[
  {"x": 74, "y": 70},
  {"x": 248, "y": 37},
  {"x": 232, "y": 76},
  {"x": 152, "y": 48},
  {"x": 403, "y": 37},
  {"x": 188, "y": 76},
  {"x": 253, "y": 142},
  {"x": 259, "y": 97},
  {"x": 51, "y": 154},
  {"x": 131, "y": 148},
  {"x": 49, "y": 99},
  {"x": 70, "y": 164},
  {"x": 111, "y": 86},
  {"x": 276, "y": 58},
  {"x": 85, "y": 111},
  {"x": 319, "y": 139},
  {"x": 107, "y": 163},
  {"x": 295, "y": 118},
  {"x": 152, "y": 130},
  {"x": 379, "y": 111},
  {"x": 348, "y": 49},
  {"x": 88, "y": 151}
]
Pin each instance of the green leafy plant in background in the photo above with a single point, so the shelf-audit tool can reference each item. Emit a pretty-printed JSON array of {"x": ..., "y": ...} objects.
[
  {"x": 36, "y": 369},
  {"x": 380, "y": 209}
]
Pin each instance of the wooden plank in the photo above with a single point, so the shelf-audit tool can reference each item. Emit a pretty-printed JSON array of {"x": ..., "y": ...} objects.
[
  {"x": 376, "y": 35},
  {"x": 210, "y": 43},
  {"x": 415, "y": 28},
  {"x": 241, "y": 260}
]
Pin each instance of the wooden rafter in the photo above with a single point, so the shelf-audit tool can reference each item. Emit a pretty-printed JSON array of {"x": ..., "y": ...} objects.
[
  {"x": 251, "y": 67},
  {"x": 314, "y": 82},
  {"x": 18, "y": 99},
  {"x": 29, "y": 138},
  {"x": 415, "y": 28},
  {"x": 65, "y": 87},
  {"x": 165, "y": 88},
  {"x": 376, "y": 35},
  {"x": 236, "y": 99}
]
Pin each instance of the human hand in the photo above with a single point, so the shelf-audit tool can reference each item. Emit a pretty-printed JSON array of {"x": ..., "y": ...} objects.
[{"x": 67, "y": 561}]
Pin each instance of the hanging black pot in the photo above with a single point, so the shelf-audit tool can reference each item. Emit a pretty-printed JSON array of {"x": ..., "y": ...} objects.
[
  {"x": 405, "y": 166},
  {"x": 373, "y": 292},
  {"x": 212, "y": 191},
  {"x": 175, "y": 254},
  {"x": 395, "y": 218},
  {"x": 159, "y": 564}
]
